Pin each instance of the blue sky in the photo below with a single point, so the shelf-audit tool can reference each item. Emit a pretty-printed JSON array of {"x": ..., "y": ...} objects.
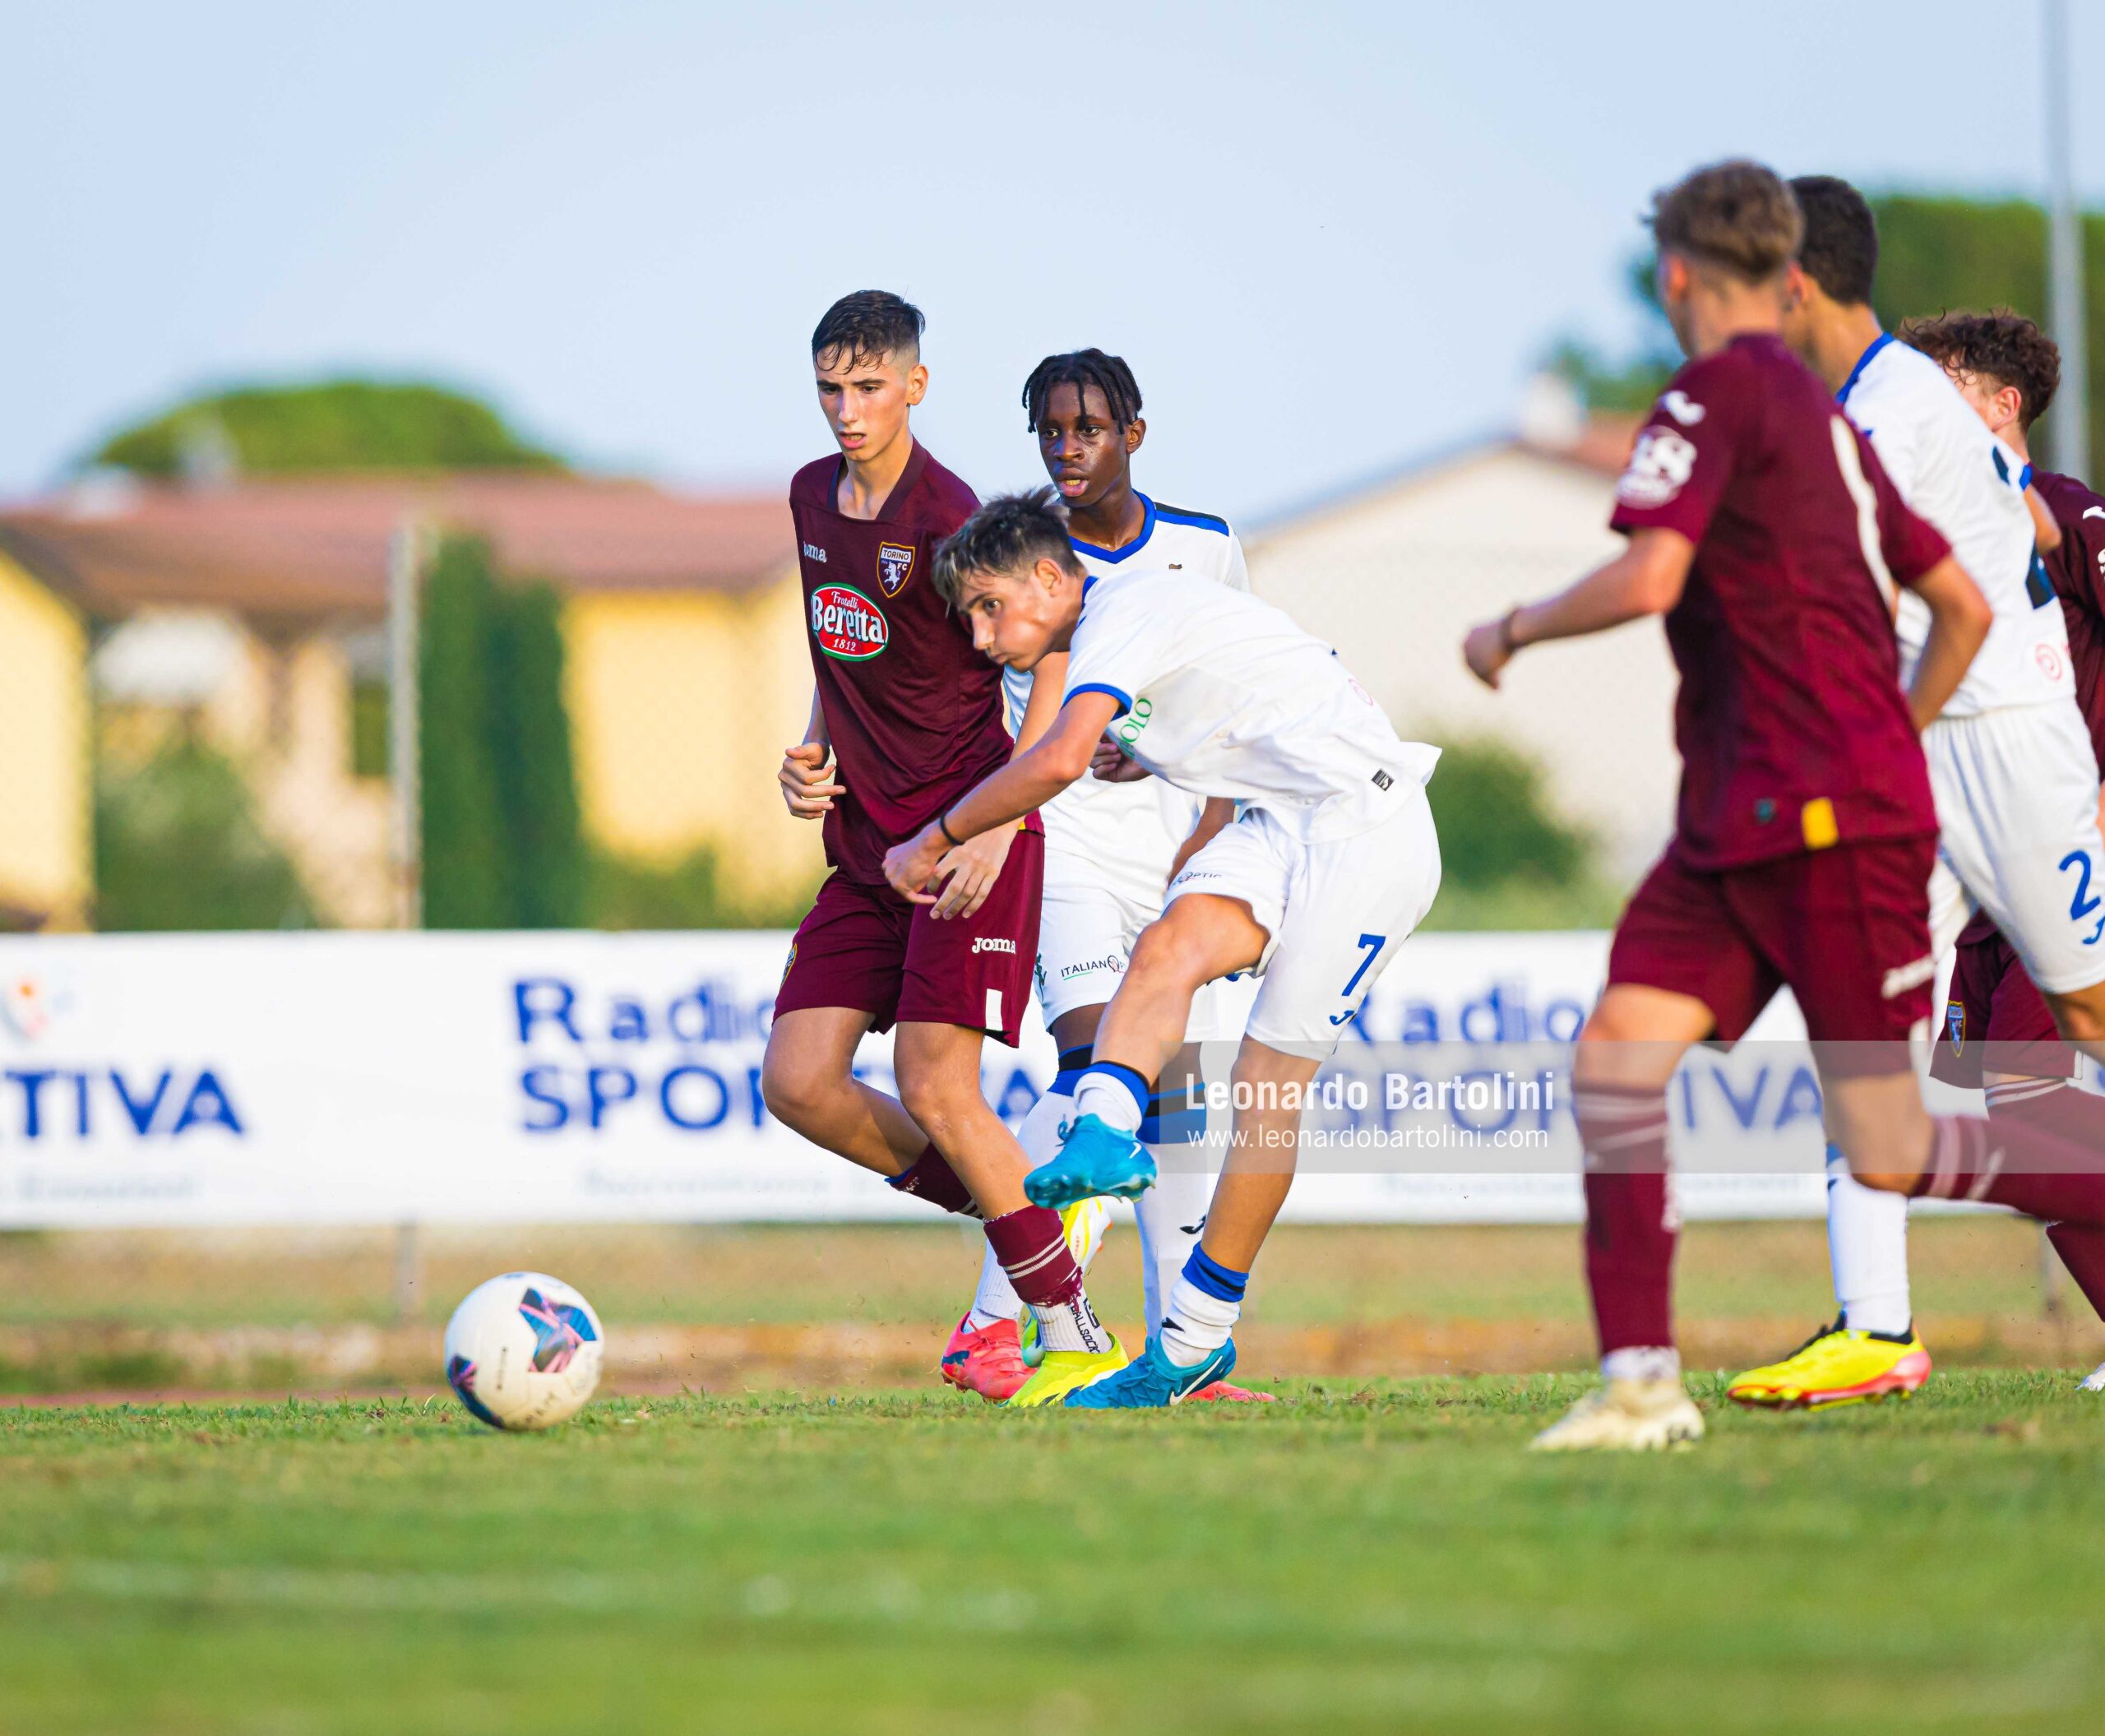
[{"x": 1328, "y": 237}]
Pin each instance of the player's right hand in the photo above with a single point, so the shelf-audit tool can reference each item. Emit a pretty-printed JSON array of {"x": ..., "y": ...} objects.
[
  {"x": 1108, "y": 765},
  {"x": 806, "y": 780}
]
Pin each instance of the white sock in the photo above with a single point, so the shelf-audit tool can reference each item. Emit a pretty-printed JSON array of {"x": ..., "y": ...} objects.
[
  {"x": 1170, "y": 1214},
  {"x": 1867, "y": 1242},
  {"x": 1071, "y": 1326},
  {"x": 1197, "y": 1324},
  {"x": 1109, "y": 1101},
  {"x": 1039, "y": 1136},
  {"x": 1642, "y": 1363}
]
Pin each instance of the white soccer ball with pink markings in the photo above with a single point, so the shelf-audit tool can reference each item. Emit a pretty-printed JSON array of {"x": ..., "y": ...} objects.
[{"x": 523, "y": 1351}]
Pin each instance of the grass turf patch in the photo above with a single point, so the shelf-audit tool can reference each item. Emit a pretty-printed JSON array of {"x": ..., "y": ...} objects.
[{"x": 1366, "y": 1556}]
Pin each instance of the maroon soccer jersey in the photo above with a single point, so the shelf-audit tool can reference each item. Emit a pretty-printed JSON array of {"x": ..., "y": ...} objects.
[
  {"x": 2077, "y": 569},
  {"x": 1793, "y": 732},
  {"x": 913, "y": 712}
]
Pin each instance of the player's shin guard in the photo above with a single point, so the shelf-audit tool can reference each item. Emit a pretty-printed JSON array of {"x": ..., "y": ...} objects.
[
  {"x": 2011, "y": 1161},
  {"x": 1632, "y": 1226},
  {"x": 1172, "y": 1215},
  {"x": 1031, "y": 1243},
  {"x": 2057, "y": 1106},
  {"x": 931, "y": 1178},
  {"x": 1868, "y": 1245}
]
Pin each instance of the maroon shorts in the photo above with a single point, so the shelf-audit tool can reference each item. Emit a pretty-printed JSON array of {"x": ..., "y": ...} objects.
[
  {"x": 1846, "y": 930},
  {"x": 1992, "y": 1003},
  {"x": 866, "y": 947}
]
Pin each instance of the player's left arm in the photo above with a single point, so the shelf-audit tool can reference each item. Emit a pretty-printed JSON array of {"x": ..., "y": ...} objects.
[
  {"x": 1026, "y": 784},
  {"x": 969, "y": 872},
  {"x": 1647, "y": 578}
]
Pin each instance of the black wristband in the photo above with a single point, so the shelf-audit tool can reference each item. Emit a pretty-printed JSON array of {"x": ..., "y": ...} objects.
[{"x": 943, "y": 826}]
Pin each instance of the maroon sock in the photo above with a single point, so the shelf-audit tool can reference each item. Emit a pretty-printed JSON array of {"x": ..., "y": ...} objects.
[
  {"x": 931, "y": 1178},
  {"x": 2044, "y": 1172},
  {"x": 1031, "y": 1243},
  {"x": 2055, "y": 1106},
  {"x": 1630, "y": 1225}
]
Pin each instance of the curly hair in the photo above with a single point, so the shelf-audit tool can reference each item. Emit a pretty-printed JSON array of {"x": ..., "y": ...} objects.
[
  {"x": 1082, "y": 368},
  {"x": 868, "y": 326},
  {"x": 1737, "y": 215},
  {"x": 1999, "y": 345},
  {"x": 1010, "y": 534}
]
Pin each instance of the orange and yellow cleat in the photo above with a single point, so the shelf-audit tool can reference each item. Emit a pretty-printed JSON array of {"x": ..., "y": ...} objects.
[{"x": 1837, "y": 1366}]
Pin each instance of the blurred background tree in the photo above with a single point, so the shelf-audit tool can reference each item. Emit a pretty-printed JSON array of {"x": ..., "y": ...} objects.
[
  {"x": 1507, "y": 859},
  {"x": 178, "y": 846},
  {"x": 503, "y": 845},
  {"x": 326, "y": 428},
  {"x": 1935, "y": 254}
]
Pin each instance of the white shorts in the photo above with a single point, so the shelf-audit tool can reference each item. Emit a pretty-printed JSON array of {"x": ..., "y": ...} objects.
[
  {"x": 1335, "y": 913},
  {"x": 1091, "y": 915},
  {"x": 2017, "y": 814}
]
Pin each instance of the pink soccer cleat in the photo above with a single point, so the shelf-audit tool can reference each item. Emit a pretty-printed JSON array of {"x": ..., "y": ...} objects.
[
  {"x": 988, "y": 1361},
  {"x": 1221, "y": 1392}
]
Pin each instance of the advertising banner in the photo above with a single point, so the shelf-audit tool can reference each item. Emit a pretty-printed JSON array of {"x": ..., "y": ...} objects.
[{"x": 338, "y": 1078}]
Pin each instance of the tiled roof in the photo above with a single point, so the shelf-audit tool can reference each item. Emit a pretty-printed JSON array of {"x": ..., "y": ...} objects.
[{"x": 321, "y": 547}]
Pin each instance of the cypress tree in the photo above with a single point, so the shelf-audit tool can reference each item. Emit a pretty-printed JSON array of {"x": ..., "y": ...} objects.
[
  {"x": 530, "y": 754},
  {"x": 465, "y": 869}
]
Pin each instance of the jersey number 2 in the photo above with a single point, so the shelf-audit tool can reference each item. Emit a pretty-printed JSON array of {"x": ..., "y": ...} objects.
[
  {"x": 1371, "y": 945},
  {"x": 2085, "y": 901}
]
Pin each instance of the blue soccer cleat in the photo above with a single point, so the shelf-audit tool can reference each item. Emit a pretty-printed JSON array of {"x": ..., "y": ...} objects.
[
  {"x": 1151, "y": 1381},
  {"x": 1095, "y": 1158}
]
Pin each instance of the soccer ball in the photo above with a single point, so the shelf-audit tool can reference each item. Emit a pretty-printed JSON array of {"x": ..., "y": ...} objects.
[{"x": 523, "y": 1351}]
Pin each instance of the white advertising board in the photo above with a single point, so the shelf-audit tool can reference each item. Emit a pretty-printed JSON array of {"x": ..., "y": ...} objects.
[{"x": 257, "y": 1079}]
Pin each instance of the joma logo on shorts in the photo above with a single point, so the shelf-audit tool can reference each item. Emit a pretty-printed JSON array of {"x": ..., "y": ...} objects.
[{"x": 992, "y": 943}]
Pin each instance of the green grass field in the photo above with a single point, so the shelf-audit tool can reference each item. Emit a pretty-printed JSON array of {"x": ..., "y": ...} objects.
[{"x": 1369, "y": 1557}]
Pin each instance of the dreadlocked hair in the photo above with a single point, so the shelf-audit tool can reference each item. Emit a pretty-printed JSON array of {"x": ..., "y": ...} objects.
[{"x": 1082, "y": 368}]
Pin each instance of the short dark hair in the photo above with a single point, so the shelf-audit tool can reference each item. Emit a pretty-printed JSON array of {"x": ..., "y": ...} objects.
[
  {"x": 1998, "y": 345},
  {"x": 1840, "y": 249},
  {"x": 869, "y": 325},
  {"x": 1082, "y": 368},
  {"x": 1736, "y": 215},
  {"x": 1011, "y": 533}
]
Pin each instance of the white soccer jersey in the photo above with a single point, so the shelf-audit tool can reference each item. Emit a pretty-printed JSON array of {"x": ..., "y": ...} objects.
[
  {"x": 1130, "y": 832},
  {"x": 1950, "y": 469},
  {"x": 1222, "y": 695}
]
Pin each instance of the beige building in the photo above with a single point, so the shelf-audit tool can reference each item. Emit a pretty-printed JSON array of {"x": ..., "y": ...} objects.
[
  {"x": 1395, "y": 573},
  {"x": 46, "y": 864},
  {"x": 255, "y": 615}
]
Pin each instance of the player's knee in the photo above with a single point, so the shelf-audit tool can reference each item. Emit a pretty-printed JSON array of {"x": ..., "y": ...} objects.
[
  {"x": 794, "y": 1091},
  {"x": 937, "y": 1103},
  {"x": 1170, "y": 949}
]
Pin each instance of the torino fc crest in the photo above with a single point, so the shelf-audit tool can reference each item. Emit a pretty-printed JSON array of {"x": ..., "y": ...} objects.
[{"x": 894, "y": 565}]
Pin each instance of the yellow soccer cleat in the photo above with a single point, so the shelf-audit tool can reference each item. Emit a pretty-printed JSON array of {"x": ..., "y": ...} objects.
[
  {"x": 1062, "y": 1370},
  {"x": 1837, "y": 1366},
  {"x": 1625, "y": 1416}
]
